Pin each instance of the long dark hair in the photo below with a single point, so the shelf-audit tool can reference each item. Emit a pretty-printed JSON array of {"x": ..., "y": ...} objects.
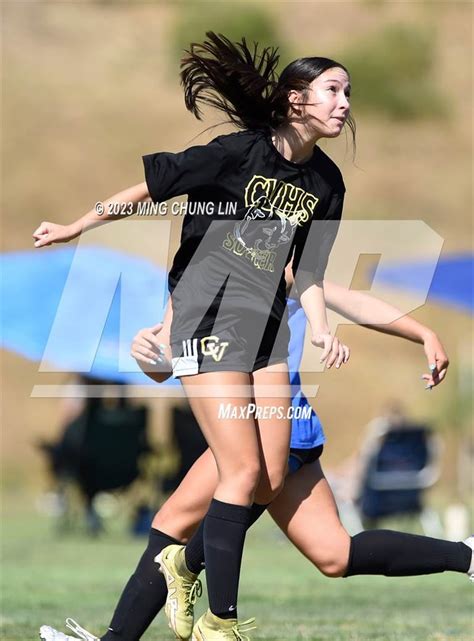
[{"x": 244, "y": 84}]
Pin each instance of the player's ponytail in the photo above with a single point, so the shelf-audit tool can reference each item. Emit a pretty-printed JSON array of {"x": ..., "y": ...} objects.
[
  {"x": 243, "y": 83},
  {"x": 231, "y": 78}
]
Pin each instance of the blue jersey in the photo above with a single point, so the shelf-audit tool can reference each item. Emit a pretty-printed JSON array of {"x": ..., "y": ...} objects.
[{"x": 305, "y": 432}]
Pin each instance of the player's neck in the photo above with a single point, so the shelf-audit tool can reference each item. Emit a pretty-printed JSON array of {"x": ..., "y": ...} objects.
[{"x": 294, "y": 142}]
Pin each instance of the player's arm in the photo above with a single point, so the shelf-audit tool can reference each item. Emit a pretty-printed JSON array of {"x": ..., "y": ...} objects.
[
  {"x": 313, "y": 245},
  {"x": 378, "y": 315},
  {"x": 125, "y": 201},
  {"x": 314, "y": 307}
]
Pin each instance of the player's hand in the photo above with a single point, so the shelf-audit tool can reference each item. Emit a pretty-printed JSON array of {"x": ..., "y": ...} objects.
[
  {"x": 334, "y": 352},
  {"x": 49, "y": 233},
  {"x": 438, "y": 361},
  {"x": 153, "y": 352}
]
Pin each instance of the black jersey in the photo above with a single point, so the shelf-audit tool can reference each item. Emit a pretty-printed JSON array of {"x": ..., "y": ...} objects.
[{"x": 249, "y": 209}]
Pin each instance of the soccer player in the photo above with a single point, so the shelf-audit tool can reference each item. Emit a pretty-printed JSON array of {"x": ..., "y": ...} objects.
[
  {"x": 305, "y": 510},
  {"x": 229, "y": 330}
]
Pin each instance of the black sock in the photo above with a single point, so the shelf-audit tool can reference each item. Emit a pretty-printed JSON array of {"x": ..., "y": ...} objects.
[
  {"x": 194, "y": 552},
  {"x": 224, "y": 535},
  {"x": 143, "y": 596},
  {"x": 399, "y": 554}
]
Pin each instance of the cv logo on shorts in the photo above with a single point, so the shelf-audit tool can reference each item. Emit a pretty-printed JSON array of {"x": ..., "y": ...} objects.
[{"x": 211, "y": 346}]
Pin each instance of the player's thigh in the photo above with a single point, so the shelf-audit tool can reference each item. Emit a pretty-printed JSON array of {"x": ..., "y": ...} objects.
[
  {"x": 272, "y": 398},
  {"x": 232, "y": 437},
  {"x": 180, "y": 515},
  {"x": 305, "y": 510}
]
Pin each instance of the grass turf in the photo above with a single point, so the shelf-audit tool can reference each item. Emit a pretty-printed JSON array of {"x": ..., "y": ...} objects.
[{"x": 47, "y": 578}]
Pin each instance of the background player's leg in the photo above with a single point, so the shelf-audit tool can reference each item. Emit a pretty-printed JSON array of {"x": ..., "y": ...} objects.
[
  {"x": 180, "y": 515},
  {"x": 145, "y": 592},
  {"x": 306, "y": 511}
]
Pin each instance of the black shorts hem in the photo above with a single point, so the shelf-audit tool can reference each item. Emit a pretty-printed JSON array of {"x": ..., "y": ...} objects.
[
  {"x": 266, "y": 362},
  {"x": 309, "y": 455}
]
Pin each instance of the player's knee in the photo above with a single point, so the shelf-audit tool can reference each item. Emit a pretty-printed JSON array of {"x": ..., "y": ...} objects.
[
  {"x": 244, "y": 479},
  {"x": 167, "y": 520},
  {"x": 332, "y": 561},
  {"x": 177, "y": 518},
  {"x": 332, "y": 567}
]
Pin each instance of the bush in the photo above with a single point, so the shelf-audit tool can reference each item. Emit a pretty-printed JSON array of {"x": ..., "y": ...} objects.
[{"x": 392, "y": 74}]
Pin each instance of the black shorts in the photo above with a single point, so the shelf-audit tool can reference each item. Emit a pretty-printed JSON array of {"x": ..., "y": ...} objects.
[
  {"x": 299, "y": 457},
  {"x": 233, "y": 348}
]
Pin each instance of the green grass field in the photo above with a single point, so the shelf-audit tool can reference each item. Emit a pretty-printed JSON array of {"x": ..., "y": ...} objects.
[{"x": 46, "y": 579}]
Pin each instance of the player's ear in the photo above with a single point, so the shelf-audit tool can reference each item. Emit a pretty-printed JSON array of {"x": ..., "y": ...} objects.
[{"x": 295, "y": 99}]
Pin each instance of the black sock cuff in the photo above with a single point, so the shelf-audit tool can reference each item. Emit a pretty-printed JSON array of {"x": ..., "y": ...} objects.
[
  {"x": 256, "y": 511},
  {"x": 229, "y": 512},
  {"x": 465, "y": 557},
  {"x": 154, "y": 534},
  {"x": 348, "y": 571}
]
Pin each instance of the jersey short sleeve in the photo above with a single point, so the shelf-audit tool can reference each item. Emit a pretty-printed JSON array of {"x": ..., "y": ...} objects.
[
  {"x": 313, "y": 245},
  {"x": 174, "y": 174}
]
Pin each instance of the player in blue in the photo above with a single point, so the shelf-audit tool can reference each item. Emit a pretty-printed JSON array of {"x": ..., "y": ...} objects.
[{"x": 305, "y": 510}]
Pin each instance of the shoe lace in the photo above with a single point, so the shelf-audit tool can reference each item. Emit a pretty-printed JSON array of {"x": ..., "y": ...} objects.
[
  {"x": 193, "y": 592},
  {"x": 245, "y": 626},
  {"x": 76, "y": 628}
]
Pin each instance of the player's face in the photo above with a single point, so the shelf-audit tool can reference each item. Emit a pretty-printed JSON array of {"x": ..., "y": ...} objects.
[{"x": 328, "y": 99}]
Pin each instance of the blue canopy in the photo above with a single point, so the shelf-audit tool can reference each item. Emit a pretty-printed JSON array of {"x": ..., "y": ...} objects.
[
  {"x": 78, "y": 309},
  {"x": 452, "y": 283}
]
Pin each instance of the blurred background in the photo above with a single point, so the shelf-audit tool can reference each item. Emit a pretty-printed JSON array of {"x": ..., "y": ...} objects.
[{"x": 89, "y": 87}]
